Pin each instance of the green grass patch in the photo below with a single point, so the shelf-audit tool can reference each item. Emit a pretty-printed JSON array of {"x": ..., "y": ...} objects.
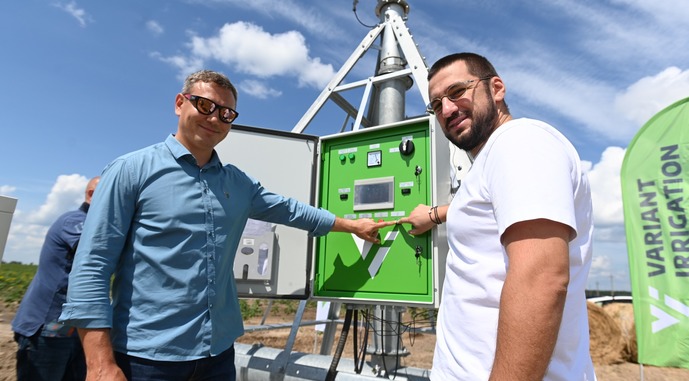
[{"x": 14, "y": 280}]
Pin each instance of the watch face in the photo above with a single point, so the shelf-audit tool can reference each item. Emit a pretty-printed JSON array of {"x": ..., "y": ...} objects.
[{"x": 374, "y": 158}]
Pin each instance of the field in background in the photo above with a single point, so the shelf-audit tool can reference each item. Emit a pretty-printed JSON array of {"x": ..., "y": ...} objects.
[
  {"x": 15, "y": 278},
  {"x": 608, "y": 353}
]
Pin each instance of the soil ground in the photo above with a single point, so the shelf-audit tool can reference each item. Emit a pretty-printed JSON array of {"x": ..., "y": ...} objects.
[{"x": 309, "y": 340}]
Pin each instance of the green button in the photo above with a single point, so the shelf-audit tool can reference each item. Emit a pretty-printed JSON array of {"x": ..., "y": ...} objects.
[
  {"x": 342, "y": 157},
  {"x": 351, "y": 156}
]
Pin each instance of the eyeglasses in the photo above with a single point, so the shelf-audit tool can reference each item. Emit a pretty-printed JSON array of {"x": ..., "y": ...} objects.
[
  {"x": 206, "y": 107},
  {"x": 454, "y": 92}
]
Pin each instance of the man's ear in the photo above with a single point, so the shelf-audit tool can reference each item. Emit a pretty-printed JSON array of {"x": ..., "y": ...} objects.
[
  {"x": 179, "y": 101},
  {"x": 497, "y": 87}
]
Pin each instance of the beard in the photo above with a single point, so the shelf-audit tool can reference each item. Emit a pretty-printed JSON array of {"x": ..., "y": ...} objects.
[{"x": 482, "y": 125}]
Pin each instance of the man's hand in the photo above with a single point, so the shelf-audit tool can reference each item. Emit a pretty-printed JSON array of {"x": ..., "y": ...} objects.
[
  {"x": 422, "y": 221},
  {"x": 364, "y": 228},
  {"x": 100, "y": 358}
]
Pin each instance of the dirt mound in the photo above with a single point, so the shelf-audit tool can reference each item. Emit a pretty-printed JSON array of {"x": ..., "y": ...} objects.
[
  {"x": 623, "y": 315},
  {"x": 607, "y": 344}
]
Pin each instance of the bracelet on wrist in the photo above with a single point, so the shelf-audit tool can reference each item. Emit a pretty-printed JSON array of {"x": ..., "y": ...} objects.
[{"x": 434, "y": 216}]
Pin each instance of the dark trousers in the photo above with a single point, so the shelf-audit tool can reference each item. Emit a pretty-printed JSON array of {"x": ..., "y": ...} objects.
[
  {"x": 216, "y": 368},
  {"x": 49, "y": 358}
]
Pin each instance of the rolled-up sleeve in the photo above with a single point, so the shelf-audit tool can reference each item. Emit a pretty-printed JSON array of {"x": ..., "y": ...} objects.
[{"x": 100, "y": 247}]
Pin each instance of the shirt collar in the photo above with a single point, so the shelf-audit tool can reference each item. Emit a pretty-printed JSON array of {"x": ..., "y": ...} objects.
[{"x": 178, "y": 151}]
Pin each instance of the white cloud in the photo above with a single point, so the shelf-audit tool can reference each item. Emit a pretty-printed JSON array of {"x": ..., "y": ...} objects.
[
  {"x": 67, "y": 193},
  {"x": 634, "y": 35},
  {"x": 78, "y": 13},
  {"x": 600, "y": 266},
  {"x": 185, "y": 65},
  {"x": 306, "y": 15},
  {"x": 609, "y": 249},
  {"x": 7, "y": 190},
  {"x": 606, "y": 189},
  {"x": 154, "y": 27},
  {"x": 24, "y": 241},
  {"x": 616, "y": 65},
  {"x": 315, "y": 74},
  {"x": 248, "y": 49},
  {"x": 28, "y": 229},
  {"x": 587, "y": 103},
  {"x": 663, "y": 11},
  {"x": 616, "y": 113},
  {"x": 609, "y": 266},
  {"x": 258, "y": 89},
  {"x": 649, "y": 95}
]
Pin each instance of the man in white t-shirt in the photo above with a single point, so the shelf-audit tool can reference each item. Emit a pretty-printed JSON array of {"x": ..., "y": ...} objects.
[{"x": 519, "y": 231}]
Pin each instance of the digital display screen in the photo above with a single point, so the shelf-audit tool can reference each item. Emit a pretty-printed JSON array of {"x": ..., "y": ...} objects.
[{"x": 374, "y": 193}]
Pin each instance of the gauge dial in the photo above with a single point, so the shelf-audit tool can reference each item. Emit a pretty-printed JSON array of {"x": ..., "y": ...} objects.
[{"x": 374, "y": 158}]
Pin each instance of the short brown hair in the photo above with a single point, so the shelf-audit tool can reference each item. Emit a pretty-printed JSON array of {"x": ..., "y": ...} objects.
[
  {"x": 476, "y": 64},
  {"x": 208, "y": 76}
]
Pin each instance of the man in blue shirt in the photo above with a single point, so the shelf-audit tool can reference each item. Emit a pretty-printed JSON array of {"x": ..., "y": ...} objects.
[
  {"x": 48, "y": 350},
  {"x": 166, "y": 222}
]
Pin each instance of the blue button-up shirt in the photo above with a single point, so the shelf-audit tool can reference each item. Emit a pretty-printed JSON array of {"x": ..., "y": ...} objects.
[{"x": 168, "y": 231}]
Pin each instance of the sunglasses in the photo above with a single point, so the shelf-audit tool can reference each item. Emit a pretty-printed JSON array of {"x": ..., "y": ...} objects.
[
  {"x": 206, "y": 107},
  {"x": 454, "y": 92}
]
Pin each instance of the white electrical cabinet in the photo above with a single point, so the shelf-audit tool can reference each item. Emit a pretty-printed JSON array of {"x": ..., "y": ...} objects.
[
  {"x": 273, "y": 261},
  {"x": 7, "y": 206}
]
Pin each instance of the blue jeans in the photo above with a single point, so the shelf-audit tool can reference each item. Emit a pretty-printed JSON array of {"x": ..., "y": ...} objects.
[
  {"x": 216, "y": 368},
  {"x": 49, "y": 358}
]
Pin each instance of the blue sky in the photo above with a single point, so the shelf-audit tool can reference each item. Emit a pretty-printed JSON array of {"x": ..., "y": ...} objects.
[{"x": 88, "y": 81}]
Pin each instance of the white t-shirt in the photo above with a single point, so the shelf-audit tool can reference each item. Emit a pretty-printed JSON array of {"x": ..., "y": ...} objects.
[{"x": 526, "y": 170}]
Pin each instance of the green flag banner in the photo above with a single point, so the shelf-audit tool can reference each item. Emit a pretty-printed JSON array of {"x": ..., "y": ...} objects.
[{"x": 655, "y": 195}]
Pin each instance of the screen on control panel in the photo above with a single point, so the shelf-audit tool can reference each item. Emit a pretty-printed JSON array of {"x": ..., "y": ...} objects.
[{"x": 372, "y": 194}]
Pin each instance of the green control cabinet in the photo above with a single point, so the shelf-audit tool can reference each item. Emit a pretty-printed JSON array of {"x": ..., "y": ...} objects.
[{"x": 382, "y": 173}]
